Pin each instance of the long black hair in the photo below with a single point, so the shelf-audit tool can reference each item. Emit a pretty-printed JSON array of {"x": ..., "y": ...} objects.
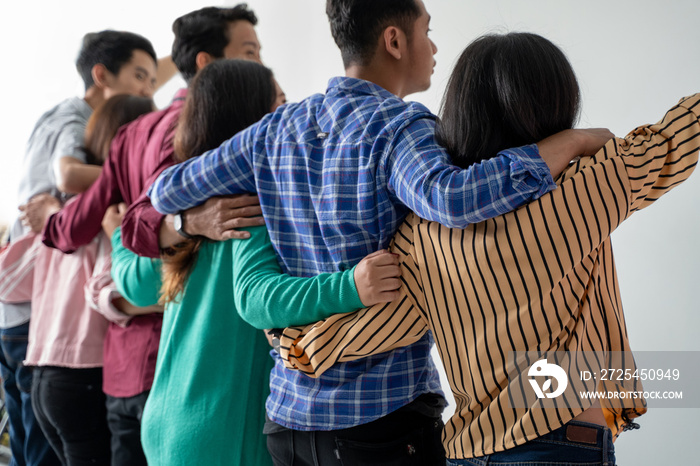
[
  {"x": 224, "y": 98},
  {"x": 506, "y": 90}
]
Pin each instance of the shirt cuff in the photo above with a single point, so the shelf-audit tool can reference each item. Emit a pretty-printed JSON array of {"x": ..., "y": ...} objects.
[
  {"x": 287, "y": 351},
  {"x": 106, "y": 307},
  {"x": 528, "y": 172},
  {"x": 349, "y": 293}
]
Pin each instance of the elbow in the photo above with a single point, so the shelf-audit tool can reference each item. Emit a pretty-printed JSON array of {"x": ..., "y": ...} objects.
[
  {"x": 67, "y": 182},
  {"x": 250, "y": 317},
  {"x": 136, "y": 298}
]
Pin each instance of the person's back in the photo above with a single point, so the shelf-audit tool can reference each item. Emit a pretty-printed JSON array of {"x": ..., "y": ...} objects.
[
  {"x": 336, "y": 203},
  {"x": 540, "y": 279}
]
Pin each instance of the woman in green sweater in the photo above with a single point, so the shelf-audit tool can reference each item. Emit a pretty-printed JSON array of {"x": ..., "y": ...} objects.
[{"x": 207, "y": 403}]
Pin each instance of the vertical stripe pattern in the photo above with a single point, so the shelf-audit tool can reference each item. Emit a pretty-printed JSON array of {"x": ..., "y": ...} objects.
[{"x": 541, "y": 278}]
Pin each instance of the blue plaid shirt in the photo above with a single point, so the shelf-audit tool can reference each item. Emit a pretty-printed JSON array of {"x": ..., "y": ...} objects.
[{"x": 336, "y": 175}]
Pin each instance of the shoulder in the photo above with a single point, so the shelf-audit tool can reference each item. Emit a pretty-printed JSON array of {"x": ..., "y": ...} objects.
[
  {"x": 400, "y": 114},
  {"x": 63, "y": 116}
]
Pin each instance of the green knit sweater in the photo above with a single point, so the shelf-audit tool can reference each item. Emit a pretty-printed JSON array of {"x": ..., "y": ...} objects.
[{"x": 206, "y": 405}]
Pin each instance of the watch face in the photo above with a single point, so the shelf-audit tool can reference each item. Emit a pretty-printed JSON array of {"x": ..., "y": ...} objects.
[{"x": 177, "y": 223}]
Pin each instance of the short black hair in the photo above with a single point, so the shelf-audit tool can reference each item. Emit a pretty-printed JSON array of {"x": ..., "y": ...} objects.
[
  {"x": 205, "y": 30},
  {"x": 506, "y": 90},
  {"x": 357, "y": 24},
  {"x": 113, "y": 49}
]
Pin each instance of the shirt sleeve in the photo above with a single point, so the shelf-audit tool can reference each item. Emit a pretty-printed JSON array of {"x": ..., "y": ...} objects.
[
  {"x": 661, "y": 156},
  {"x": 137, "y": 278},
  {"x": 422, "y": 177},
  {"x": 80, "y": 220},
  {"x": 378, "y": 329},
  {"x": 141, "y": 223},
  {"x": 69, "y": 143},
  {"x": 267, "y": 298},
  {"x": 225, "y": 170}
]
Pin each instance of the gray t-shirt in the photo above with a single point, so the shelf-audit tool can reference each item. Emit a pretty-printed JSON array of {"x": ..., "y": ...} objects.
[{"x": 58, "y": 133}]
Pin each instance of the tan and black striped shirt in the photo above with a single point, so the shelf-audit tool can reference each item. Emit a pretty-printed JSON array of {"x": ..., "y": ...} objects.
[{"x": 541, "y": 278}]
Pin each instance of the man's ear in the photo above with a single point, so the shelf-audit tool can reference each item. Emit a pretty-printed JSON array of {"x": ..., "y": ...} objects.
[
  {"x": 100, "y": 75},
  {"x": 394, "y": 41},
  {"x": 203, "y": 59}
]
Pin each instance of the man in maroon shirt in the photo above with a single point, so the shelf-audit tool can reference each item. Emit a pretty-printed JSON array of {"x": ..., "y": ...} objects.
[{"x": 139, "y": 152}]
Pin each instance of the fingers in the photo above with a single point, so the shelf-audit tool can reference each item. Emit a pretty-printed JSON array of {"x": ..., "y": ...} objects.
[
  {"x": 242, "y": 222},
  {"x": 122, "y": 208},
  {"x": 385, "y": 259},
  {"x": 376, "y": 253},
  {"x": 388, "y": 296},
  {"x": 241, "y": 200},
  {"x": 234, "y": 234},
  {"x": 250, "y": 211},
  {"x": 220, "y": 217}
]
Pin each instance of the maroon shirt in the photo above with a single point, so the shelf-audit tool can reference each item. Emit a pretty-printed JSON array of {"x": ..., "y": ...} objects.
[{"x": 139, "y": 152}]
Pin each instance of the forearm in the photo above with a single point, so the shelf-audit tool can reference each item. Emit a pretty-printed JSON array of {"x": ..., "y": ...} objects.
[
  {"x": 219, "y": 172},
  {"x": 267, "y": 298},
  {"x": 77, "y": 177},
  {"x": 129, "y": 309},
  {"x": 168, "y": 237},
  {"x": 166, "y": 70},
  {"x": 141, "y": 227},
  {"x": 659, "y": 157},
  {"x": 69, "y": 229},
  {"x": 379, "y": 329},
  {"x": 457, "y": 197}
]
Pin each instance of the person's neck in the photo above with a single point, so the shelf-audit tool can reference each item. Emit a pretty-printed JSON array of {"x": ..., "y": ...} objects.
[
  {"x": 379, "y": 75},
  {"x": 94, "y": 97}
]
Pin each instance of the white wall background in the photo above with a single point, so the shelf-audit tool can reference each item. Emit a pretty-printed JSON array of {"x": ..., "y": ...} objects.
[{"x": 634, "y": 59}]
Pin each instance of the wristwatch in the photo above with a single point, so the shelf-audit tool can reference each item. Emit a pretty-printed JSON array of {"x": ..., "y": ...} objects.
[{"x": 179, "y": 224}]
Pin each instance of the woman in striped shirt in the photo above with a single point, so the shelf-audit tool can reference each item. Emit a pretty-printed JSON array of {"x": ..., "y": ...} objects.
[{"x": 539, "y": 280}]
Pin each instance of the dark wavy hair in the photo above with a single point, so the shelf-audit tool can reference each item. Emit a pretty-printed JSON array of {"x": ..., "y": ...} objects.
[
  {"x": 106, "y": 120},
  {"x": 506, "y": 90},
  {"x": 225, "y": 97}
]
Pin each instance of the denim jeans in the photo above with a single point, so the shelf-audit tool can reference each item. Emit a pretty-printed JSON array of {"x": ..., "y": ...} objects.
[
  {"x": 574, "y": 444},
  {"x": 27, "y": 441},
  {"x": 124, "y": 419},
  {"x": 70, "y": 407},
  {"x": 401, "y": 438}
]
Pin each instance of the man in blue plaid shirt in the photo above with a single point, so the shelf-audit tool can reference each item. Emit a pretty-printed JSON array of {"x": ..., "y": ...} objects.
[{"x": 336, "y": 175}]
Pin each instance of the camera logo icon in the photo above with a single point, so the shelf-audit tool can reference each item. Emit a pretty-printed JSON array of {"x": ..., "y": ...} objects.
[{"x": 542, "y": 368}]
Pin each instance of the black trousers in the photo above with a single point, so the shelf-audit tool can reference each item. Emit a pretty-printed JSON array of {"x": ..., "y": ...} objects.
[
  {"x": 124, "y": 419},
  {"x": 402, "y": 438},
  {"x": 70, "y": 407}
]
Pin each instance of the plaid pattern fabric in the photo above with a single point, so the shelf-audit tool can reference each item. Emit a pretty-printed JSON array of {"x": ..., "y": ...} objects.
[{"x": 336, "y": 175}]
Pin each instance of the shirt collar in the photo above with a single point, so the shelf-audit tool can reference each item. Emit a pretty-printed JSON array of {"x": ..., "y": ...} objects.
[
  {"x": 357, "y": 86},
  {"x": 180, "y": 95}
]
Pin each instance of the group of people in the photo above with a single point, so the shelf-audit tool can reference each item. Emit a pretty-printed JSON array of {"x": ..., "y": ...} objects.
[{"x": 239, "y": 280}]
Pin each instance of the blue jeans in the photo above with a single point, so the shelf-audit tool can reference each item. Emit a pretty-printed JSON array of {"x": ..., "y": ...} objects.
[
  {"x": 27, "y": 441},
  {"x": 576, "y": 443}
]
